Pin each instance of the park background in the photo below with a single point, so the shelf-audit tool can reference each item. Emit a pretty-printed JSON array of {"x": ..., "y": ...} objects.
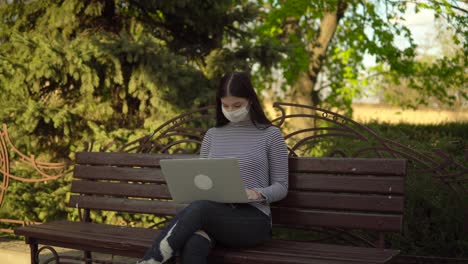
[{"x": 105, "y": 71}]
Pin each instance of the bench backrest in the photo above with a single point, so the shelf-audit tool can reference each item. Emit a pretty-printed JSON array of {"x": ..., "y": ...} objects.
[
  {"x": 121, "y": 182},
  {"x": 353, "y": 193},
  {"x": 344, "y": 192}
]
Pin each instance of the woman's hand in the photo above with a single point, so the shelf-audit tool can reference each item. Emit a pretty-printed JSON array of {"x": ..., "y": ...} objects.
[{"x": 253, "y": 194}]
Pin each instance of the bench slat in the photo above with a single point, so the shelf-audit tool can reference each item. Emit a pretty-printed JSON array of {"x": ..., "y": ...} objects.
[
  {"x": 340, "y": 201},
  {"x": 288, "y": 253},
  {"x": 295, "y": 217},
  {"x": 125, "y": 205},
  {"x": 303, "y": 164},
  {"x": 324, "y": 251},
  {"x": 125, "y": 159},
  {"x": 87, "y": 236},
  {"x": 118, "y": 173},
  {"x": 155, "y": 191},
  {"x": 345, "y": 183},
  {"x": 94, "y": 230},
  {"x": 349, "y": 166},
  {"x": 280, "y": 257},
  {"x": 323, "y": 248}
]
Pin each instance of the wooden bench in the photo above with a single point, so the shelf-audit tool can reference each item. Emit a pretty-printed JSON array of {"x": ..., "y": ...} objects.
[{"x": 342, "y": 193}]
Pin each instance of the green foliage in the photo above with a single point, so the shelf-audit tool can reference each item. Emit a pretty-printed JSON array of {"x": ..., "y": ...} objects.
[
  {"x": 74, "y": 71},
  {"x": 434, "y": 215},
  {"x": 366, "y": 28},
  {"x": 433, "y": 79},
  {"x": 37, "y": 202}
]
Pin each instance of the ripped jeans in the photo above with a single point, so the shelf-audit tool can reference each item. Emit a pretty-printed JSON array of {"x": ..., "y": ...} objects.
[{"x": 239, "y": 225}]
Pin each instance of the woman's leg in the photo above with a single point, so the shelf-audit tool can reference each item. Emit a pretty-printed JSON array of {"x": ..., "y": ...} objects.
[
  {"x": 160, "y": 251},
  {"x": 176, "y": 233},
  {"x": 240, "y": 225},
  {"x": 196, "y": 250}
]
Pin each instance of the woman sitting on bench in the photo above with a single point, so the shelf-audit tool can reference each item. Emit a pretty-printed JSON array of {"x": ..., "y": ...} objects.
[{"x": 243, "y": 131}]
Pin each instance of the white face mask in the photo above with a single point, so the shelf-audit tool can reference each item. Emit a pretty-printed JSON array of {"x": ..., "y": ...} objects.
[{"x": 238, "y": 115}]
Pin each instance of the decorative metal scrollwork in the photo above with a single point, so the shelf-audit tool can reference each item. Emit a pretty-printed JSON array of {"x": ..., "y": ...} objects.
[
  {"x": 46, "y": 170},
  {"x": 180, "y": 135},
  {"x": 339, "y": 135},
  {"x": 55, "y": 257},
  {"x": 321, "y": 130}
]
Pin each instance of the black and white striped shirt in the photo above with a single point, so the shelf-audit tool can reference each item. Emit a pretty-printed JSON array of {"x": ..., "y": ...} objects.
[{"x": 262, "y": 155}]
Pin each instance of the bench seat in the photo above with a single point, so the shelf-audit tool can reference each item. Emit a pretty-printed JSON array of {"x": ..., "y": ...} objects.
[
  {"x": 338, "y": 193},
  {"x": 133, "y": 242}
]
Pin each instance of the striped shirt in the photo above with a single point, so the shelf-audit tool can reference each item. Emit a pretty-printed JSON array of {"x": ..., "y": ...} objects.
[{"x": 262, "y": 155}]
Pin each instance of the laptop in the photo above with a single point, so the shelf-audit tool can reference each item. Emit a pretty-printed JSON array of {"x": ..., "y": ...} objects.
[{"x": 213, "y": 179}]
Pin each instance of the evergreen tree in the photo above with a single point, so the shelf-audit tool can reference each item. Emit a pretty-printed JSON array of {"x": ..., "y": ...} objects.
[{"x": 74, "y": 71}]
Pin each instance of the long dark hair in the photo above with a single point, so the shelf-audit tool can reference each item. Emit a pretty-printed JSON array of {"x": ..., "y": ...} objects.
[{"x": 238, "y": 84}]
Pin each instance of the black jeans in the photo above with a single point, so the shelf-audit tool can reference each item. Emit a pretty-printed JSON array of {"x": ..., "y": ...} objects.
[{"x": 230, "y": 225}]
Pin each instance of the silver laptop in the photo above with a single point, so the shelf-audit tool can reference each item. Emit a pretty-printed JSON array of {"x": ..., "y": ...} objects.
[{"x": 213, "y": 179}]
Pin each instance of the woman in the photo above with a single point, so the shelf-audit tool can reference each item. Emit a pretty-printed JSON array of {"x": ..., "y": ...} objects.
[{"x": 242, "y": 131}]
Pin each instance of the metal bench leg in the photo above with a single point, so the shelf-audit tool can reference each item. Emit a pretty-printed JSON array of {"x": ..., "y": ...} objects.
[
  {"x": 33, "y": 251},
  {"x": 88, "y": 257}
]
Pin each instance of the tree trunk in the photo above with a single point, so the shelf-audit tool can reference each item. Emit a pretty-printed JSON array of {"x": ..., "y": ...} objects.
[{"x": 304, "y": 91}]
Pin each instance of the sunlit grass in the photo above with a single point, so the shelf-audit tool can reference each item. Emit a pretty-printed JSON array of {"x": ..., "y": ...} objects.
[{"x": 365, "y": 113}]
